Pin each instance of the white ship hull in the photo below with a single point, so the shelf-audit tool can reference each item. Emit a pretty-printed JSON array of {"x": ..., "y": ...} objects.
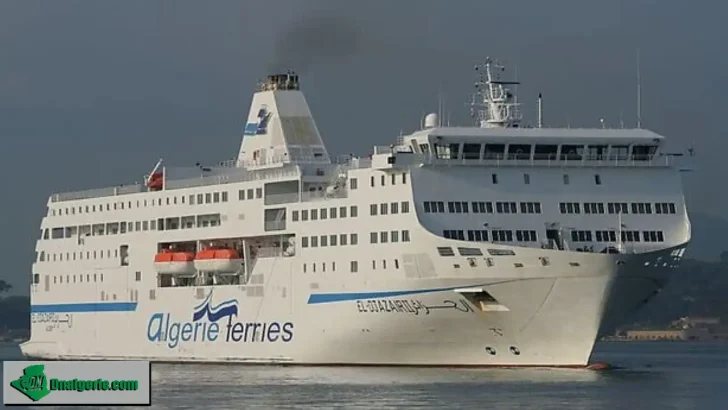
[
  {"x": 552, "y": 319},
  {"x": 366, "y": 262}
]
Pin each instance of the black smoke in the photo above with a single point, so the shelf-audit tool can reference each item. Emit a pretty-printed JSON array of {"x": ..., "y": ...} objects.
[{"x": 315, "y": 40}]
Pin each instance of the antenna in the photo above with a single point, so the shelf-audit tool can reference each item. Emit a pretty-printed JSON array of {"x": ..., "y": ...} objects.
[
  {"x": 639, "y": 92},
  {"x": 439, "y": 108},
  {"x": 540, "y": 111}
]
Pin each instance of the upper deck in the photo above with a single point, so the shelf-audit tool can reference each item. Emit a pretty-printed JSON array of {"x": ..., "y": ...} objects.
[{"x": 274, "y": 150}]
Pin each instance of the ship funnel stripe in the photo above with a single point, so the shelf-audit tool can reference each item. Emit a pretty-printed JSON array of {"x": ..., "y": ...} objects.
[{"x": 317, "y": 298}]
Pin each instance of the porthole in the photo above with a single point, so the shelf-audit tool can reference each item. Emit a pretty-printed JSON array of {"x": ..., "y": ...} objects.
[
  {"x": 490, "y": 350},
  {"x": 515, "y": 350}
]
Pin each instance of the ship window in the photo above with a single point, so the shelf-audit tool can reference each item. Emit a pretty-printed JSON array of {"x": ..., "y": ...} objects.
[
  {"x": 526, "y": 179},
  {"x": 566, "y": 179},
  {"x": 394, "y": 236},
  {"x": 353, "y": 212},
  {"x": 324, "y": 241},
  {"x": 447, "y": 151},
  {"x": 332, "y": 213},
  {"x": 470, "y": 252},
  {"x": 250, "y": 193},
  {"x": 322, "y": 213},
  {"x": 138, "y": 276},
  {"x": 382, "y": 180},
  {"x": 545, "y": 152},
  {"x": 471, "y": 151},
  {"x": 216, "y": 197},
  {"x": 294, "y": 216},
  {"x": 494, "y": 151},
  {"x": 373, "y": 237},
  {"x": 405, "y": 207},
  {"x": 619, "y": 152},
  {"x": 372, "y": 181},
  {"x": 332, "y": 240},
  {"x": 241, "y": 196},
  {"x": 258, "y": 193},
  {"x": 304, "y": 241},
  {"x": 394, "y": 207},
  {"x": 304, "y": 215},
  {"x": 394, "y": 179},
  {"x": 354, "y": 266},
  {"x": 342, "y": 239},
  {"x": 404, "y": 178},
  {"x": 342, "y": 212},
  {"x": 519, "y": 151},
  {"x": 596, "y": 152},
  {"x": 572, "y": 152},
  {"x": 314, "y": 241},
  {"x": 597, "y": 179},
  {"x": 405, "y": 236},
  {"x": 373, "y": 209},
  {"x": 353, "y": 239},
  {"x": 383, "y": 237},
  {"x": 501, "y": 252},
  {"x": 353, "y": 184},
  {"x": 494, "y": 178},
  {"x": 445, "y": 251},
  {"x": 199, "y": 199},
  {"x": 643, "y": 152}
]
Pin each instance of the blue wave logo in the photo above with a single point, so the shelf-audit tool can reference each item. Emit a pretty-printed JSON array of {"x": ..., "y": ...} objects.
[
  {"x": 260, "y": 127},
  {"x": 228, "y": 308}
]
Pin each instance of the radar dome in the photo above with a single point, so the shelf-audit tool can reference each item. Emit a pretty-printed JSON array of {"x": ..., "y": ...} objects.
[{"x": 431, "y": 120}]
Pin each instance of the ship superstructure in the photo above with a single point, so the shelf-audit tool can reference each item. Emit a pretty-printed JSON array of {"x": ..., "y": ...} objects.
[{"x": 493, "y": 244}]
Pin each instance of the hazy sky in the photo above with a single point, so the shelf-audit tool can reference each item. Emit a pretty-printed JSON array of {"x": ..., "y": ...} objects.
[{"x": 92, "y": 93}]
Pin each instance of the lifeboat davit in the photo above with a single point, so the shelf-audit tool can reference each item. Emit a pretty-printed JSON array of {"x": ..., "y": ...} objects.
[
  {"x": 175, "y": 263},
  {"x": 218, "y": 260}
]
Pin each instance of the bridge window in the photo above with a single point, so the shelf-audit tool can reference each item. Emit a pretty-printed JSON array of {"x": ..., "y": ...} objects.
[
  {"x": 494, "y": 151},
  {"x": 545, "y": 152},
  {"x": 471, "y": 151},
  {"x": 572, "y": 152},
  {"x": 596, "y": 152},
  {"x": 619, "y": 152},
  {"x": 643, "y": 152}
]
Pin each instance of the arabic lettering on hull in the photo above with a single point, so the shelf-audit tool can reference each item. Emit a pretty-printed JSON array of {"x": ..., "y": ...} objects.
[{"x": 410, "y": 306}]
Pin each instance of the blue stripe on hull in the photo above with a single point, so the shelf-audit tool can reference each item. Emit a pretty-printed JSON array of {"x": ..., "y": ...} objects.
[
  {"x": 84, "y": 307},
  {"x": 341, "y": 297}
]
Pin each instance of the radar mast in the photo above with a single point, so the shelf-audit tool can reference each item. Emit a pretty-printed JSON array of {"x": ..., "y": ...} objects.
[{"x": 494, "y": 105}]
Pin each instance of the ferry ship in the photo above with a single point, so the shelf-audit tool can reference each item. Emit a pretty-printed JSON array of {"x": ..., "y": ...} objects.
[{"x": 494, "y": 244}]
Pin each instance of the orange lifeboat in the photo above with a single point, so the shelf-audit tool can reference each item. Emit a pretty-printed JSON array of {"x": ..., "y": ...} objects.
[
  {"x": 175, "y": 263},
  {"x": 156, "y": 181},
  {"x": 218, "y": 260}
]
